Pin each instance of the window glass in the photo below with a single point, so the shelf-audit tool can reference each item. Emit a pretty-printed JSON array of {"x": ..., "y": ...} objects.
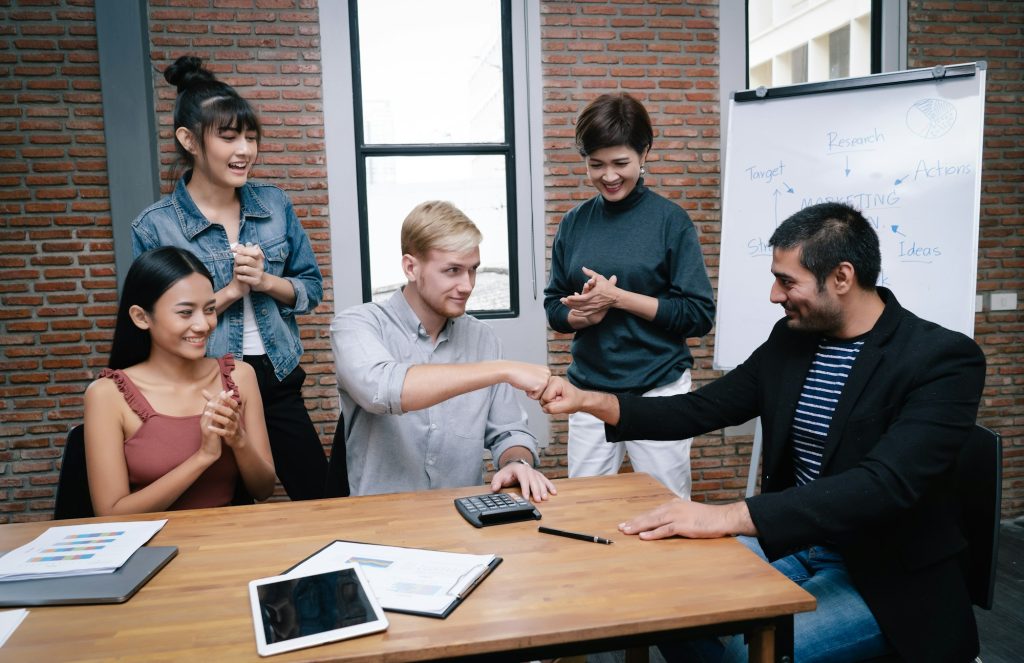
[
  {"x": 798, "y": 64},
  {"x": 839, "y": 53},
  {"x": 431, "y": 72},
  {"x": 431, "y": 80},
  {"x": 797, "y": 41},
  {"x": 474, "y": 183}
]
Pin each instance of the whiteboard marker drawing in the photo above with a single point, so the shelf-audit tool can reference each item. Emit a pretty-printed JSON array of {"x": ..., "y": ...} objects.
[{"x": 931, "y": 118}]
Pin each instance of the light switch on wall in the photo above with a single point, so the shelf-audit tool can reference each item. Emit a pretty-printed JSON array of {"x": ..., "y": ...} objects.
[{"x": 1003, "y": 301}]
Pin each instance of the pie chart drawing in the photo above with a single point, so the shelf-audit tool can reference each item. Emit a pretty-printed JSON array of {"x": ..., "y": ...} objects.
[{"x": 931, "y": 118}]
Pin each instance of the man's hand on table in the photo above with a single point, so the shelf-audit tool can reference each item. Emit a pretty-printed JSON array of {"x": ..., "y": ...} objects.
[
  {"x": 692, "y": 520},
  {"x": 532, "y": 483}
]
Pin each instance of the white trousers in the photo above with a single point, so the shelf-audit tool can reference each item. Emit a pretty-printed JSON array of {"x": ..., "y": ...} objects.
[{"x": 668, "y": 461}]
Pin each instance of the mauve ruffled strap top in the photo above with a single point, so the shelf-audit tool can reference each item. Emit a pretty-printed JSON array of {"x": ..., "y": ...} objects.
[{"x": 163, "y": 442}]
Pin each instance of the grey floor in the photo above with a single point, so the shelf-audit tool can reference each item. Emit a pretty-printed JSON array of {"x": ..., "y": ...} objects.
[{"x": 1001, "y": 629}]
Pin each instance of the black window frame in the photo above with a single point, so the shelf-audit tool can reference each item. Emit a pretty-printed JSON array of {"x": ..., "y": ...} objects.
[{"x": 364, "y": 151}]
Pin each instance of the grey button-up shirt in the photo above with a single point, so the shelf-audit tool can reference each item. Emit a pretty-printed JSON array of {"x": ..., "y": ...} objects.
[{"x": 389, "y": 450}]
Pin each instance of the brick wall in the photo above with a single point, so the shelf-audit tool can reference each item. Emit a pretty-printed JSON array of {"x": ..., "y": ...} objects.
[
  {"x": 944, "y": 32},
  {"x": 57, "y": 282}
]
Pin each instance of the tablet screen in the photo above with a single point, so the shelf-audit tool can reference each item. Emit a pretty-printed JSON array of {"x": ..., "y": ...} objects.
[{"x": 294, "y": 612}]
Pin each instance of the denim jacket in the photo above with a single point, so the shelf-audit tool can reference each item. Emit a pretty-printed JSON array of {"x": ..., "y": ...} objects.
[{"x": 268, "y": 220}]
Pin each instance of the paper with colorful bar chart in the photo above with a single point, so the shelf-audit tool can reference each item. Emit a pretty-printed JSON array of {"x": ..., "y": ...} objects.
[{"x": 74, "y": 550}]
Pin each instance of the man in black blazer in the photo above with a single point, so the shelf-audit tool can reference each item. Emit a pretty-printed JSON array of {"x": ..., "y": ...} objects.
[{"x": 864, "y": 408}]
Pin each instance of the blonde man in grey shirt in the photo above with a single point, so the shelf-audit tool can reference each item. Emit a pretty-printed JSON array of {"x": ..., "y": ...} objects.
[{"x": 423, "y": 387}]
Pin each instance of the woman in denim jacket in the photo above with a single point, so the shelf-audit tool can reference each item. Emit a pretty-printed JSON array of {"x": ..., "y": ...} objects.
[{"x": 262, "y": 263}]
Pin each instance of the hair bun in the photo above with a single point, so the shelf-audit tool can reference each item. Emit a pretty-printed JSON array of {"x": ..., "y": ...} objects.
[{"x": 186, "y": 72}]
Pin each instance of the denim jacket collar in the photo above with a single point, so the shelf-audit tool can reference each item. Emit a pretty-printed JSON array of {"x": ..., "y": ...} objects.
[
  {"x": 267, "y": 219},
  {"x": 192, "y": 220}
]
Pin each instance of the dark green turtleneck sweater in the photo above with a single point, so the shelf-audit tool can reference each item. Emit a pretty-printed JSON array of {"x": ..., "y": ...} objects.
[{"x": 650, "y": 244}]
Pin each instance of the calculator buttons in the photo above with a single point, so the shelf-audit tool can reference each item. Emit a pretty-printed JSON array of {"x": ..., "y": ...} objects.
[{"x": 495, "y": 508}]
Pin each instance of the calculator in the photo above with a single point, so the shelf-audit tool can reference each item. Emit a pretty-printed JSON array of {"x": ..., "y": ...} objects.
[{"x": 495, "y": 509}]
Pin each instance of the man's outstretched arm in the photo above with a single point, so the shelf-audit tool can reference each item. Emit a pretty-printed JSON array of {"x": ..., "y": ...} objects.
[
  {"x": 426, "y": 385},
  {"x": 382, "y": 383}
]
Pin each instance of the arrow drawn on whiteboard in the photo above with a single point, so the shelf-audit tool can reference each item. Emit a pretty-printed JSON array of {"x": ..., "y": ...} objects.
[
  {"x": 847, "y": 166},
  {"x": 789, "y": 189},
  {"x": 896, "y": 229},
  {"x": 775, "y": 195},
  {"x": 899, "y": 180}
]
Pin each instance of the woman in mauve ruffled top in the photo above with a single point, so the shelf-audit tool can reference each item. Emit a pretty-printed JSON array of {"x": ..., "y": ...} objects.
[{"x": 165, "y": 426}]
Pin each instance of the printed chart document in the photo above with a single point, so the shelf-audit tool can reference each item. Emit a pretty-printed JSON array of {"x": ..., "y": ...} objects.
[
  {"x": 74, "y": 550},
  {"x": 411, "y": 580}
]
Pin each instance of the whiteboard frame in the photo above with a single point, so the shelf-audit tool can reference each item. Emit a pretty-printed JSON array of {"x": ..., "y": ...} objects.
[
  {"x": 858, "y": 82},
  {"x": 939, "y": 72}
]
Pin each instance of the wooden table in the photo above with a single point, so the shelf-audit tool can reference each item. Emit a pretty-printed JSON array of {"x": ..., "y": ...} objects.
[{"x": 551, "y": 596}]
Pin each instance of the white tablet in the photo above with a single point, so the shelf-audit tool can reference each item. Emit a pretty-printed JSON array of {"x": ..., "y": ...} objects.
[{"x": 295, "y": 611}]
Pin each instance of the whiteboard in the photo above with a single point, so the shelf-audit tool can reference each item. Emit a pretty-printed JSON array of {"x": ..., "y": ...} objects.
[{"x": 904, "y": 148}]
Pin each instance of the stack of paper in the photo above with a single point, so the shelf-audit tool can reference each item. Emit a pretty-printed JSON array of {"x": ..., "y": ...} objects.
[{"x": 76, "y": 550}]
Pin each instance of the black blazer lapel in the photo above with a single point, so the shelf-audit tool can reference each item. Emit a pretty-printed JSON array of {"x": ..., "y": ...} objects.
[
  {"x": 781, "y": 409},
  {"x": 868, "y": 360},
  {"x": 863, "y": 369}
]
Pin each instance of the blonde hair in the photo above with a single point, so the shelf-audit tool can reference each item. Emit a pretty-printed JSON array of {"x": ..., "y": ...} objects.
[{"x": 437, "y": 224}]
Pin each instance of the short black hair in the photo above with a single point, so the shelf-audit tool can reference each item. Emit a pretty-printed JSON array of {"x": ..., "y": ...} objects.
[
  {"x": 828, "y": 234},
  {"x": 611, "y": 120},
  {"x": 150, "y": 276}
]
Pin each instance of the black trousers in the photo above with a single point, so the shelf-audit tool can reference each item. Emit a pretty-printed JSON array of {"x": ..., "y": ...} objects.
[{"x": 298, "y": 455}]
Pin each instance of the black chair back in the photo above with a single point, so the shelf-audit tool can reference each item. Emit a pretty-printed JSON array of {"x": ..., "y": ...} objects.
[
  {"x": 979, "y": 485},
  {"x": 73, "y": 499},
  {"x": 241, "y": 496}
]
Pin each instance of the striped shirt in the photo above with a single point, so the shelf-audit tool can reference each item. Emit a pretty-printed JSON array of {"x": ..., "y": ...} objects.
[{"x": 822, "y": 387}]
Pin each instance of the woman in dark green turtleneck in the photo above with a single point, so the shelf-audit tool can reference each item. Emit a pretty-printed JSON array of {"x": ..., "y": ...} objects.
[{"x": 628, "y": 277}]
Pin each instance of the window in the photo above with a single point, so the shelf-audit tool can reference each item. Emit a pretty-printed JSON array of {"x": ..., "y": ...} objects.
[
  {"x": 839, "y": 53},
  {"x": 432, "y": 86},
  {"x": 522, "y": 327},
  {"x": 797, "y": 41},
  {"x": 798, "y": 64}
]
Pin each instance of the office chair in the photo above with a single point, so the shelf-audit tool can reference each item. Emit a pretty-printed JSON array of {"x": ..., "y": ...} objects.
[
  {"x": 73, "y": 499},
  {"x": 978, "y": 480},
  {"x": 979, "y": 486},
  {"x": 337, "y": 466}
]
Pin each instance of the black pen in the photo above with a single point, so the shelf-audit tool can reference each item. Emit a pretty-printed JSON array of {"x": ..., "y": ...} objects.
[{"x": 574, "y": 535}]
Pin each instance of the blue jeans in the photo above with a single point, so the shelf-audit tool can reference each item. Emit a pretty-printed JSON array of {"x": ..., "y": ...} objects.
[{"x": 842, "y": 628}]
